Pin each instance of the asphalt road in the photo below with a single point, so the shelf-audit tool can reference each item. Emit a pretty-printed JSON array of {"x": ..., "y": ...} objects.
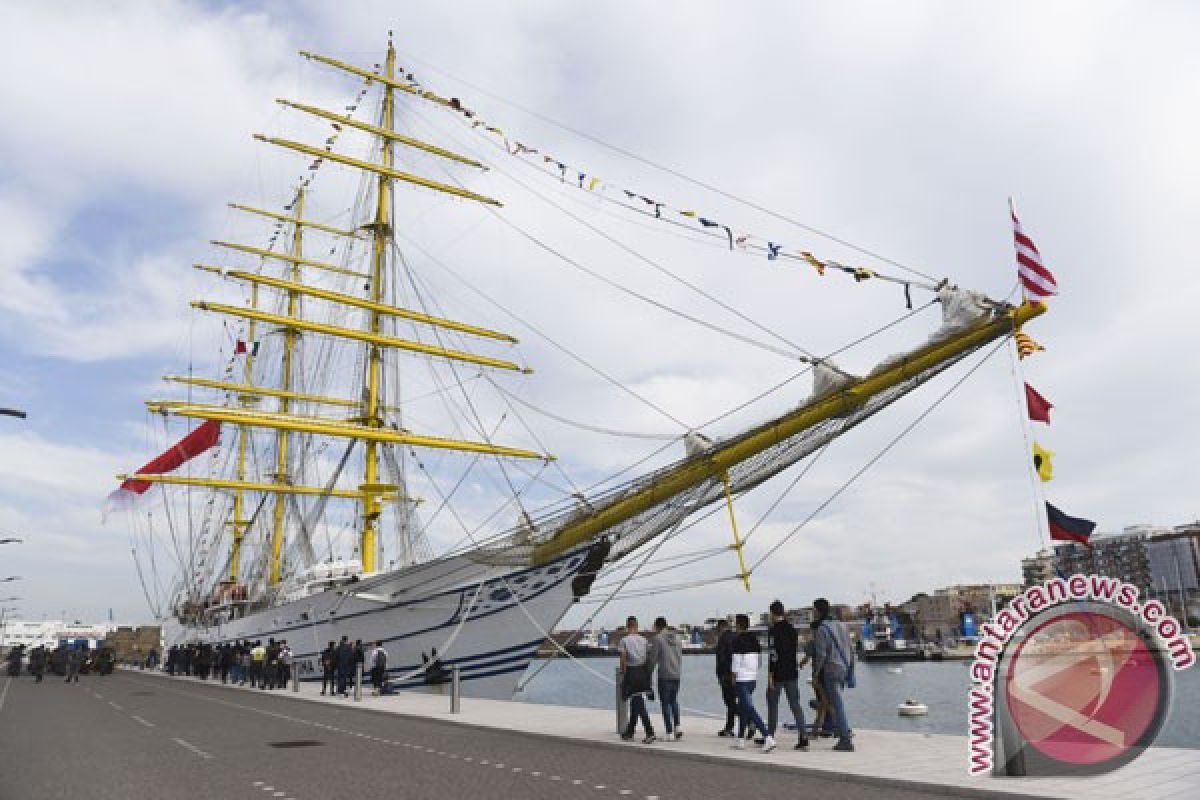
[{"x": 133, "y": 736}]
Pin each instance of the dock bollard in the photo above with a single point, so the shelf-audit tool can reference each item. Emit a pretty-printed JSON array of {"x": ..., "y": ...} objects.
[
  {"x": 455, "y": 691},
  {"x": 358, "y": 683},
  {"x": 622, "y": 708}
]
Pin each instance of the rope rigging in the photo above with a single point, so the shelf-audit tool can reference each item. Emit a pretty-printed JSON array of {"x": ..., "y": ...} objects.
[{"x": 671, "y": 171}]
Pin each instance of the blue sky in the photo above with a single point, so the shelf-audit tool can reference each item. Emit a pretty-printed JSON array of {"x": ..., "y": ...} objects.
[{"x": 903, "y": 130}]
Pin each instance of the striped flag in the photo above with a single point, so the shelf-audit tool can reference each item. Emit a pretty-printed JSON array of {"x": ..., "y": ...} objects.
[
  {"x": 1026, "y": 346},
  {"x": 1037, "y": 281}
]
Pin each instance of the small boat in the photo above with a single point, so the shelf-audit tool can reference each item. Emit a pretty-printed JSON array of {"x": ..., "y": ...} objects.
[{"x": 911, "y": 708}]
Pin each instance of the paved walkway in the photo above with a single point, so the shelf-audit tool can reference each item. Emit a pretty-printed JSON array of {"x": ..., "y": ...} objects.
[
  {"x": 922, "y": 762},
  {"x": 111, "y": 737}
]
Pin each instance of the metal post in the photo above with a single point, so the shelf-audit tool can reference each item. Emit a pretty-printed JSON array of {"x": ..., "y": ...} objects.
[
  {"x": 622, "y": 707},
  {"x": 455, "y": 691},
  {"x": 358, "y": 683},
  {"x": 295, "y": 676}
]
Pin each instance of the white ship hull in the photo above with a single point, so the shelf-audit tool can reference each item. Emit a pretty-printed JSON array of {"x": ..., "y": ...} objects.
[{"x": 486, "y": 620}]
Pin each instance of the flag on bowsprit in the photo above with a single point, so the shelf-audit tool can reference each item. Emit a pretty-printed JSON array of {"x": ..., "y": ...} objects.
[
  {"x": 1037, "y": 282},
  {"x": 1026, "y": 345},
  {"x": 1069, "y": 529},
  {"x": 1039, "y": 407},
  {"x": 1043, "y": 462}
]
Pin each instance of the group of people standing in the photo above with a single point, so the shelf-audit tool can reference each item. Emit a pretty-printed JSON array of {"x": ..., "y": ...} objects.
[
  {"x": 69, "y": 661},
  {"x": 739, "y": 655},
  {"x": 268, "y": 666},
  {"x": 340, "y": 662}
]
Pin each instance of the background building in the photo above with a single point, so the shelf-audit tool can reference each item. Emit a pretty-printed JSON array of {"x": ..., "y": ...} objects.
[
  {"x": 1117, "y": 555},
  {"x": 49, "y": 633},
  {"x": 1162, "y": 562},
  {"x": 1038, "y": 568},
  {"x": 940, "y": 613}
]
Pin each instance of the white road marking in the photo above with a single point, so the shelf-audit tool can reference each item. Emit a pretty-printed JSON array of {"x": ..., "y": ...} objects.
[
  {"x": 4, "y": 694},
  {"x": 144, "y": 722},
  {"x": 258, "y": 783},
  {"x": 114, "y": 705},
  {"x": 192, "y": 747}
]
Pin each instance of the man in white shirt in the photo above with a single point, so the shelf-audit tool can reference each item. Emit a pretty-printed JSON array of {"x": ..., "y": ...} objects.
[{"x": 635, "y": 679}]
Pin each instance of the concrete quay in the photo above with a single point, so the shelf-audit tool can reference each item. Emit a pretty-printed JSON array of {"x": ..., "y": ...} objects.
[{"x": 190, "y": 738}]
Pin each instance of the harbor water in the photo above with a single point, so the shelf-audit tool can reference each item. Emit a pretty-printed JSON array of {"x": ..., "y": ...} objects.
[{"x": 941, "y": 685}]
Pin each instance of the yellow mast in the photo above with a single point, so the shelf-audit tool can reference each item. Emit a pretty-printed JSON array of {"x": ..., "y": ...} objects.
[
  {"x": 371, "y": 417},
  {"x": 290, "y": 335},
  {"x": 240, "y": 522}
]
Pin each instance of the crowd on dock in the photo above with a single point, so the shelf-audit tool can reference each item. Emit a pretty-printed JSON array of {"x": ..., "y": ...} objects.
[
  {"x": 655, "y": 662},
  {"x": 272, "y": 666},
  {"x": 65, "y": 661},
  {"x": 243, "y": 662}
]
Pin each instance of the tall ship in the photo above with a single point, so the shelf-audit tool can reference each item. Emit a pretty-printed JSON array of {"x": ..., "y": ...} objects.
[{"x": 337, "y": 473}]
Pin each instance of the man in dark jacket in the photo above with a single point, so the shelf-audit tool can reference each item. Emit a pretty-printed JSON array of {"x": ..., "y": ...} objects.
[
  {"x": 783, "y": 674},
  {"x": 345, "y": 665},
  {"x": 329, "y": 668},
  {"x": 271, "y": 667},
  {"x": 725, "y": 638}
]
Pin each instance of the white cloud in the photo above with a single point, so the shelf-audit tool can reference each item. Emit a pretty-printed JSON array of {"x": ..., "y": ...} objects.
[{"x": 902, "y": 129}]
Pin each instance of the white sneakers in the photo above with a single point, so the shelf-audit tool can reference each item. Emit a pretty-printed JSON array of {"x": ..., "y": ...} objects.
[{"x": 768, "y": 744}]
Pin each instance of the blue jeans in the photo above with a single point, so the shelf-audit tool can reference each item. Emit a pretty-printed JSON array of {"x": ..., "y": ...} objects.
[
  {"x": 746, "y": 712},
  {"x": 833, "y": 677},
  {"x": 668, "y": 693}
]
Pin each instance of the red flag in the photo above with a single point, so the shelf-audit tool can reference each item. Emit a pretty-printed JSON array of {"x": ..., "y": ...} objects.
[
  {"x": 239, "y": 348},
  {"x": 1039, "y": 407},
  {"x": 1037, "y": 281},
  {"x": 202, "y": 438}
]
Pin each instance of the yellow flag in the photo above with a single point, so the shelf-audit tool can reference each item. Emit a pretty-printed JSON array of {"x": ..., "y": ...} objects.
[
  {"x": 1042, "y": 462},
  {"x": 1026, "y": 345}
]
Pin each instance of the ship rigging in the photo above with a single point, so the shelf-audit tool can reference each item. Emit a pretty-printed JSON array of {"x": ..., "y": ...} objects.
[{"x": 319, "y": 436}]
